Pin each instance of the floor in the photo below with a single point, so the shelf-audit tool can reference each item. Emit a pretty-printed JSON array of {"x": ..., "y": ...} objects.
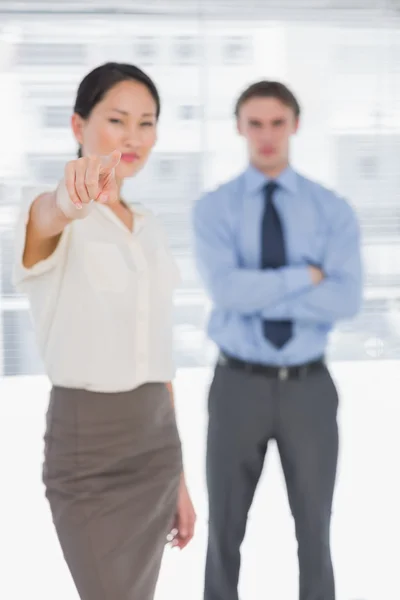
[{"x": 366, "y": 523}]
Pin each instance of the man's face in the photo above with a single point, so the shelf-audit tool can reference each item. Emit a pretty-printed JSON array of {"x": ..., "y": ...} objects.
[{"x": 267, "y": 125}]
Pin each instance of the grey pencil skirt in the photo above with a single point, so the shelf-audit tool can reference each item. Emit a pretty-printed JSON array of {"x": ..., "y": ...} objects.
[{"x": 111, "y": 471}]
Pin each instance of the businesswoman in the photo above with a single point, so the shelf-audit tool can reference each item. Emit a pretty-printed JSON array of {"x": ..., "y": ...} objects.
[{"x": 100, "y": 279}]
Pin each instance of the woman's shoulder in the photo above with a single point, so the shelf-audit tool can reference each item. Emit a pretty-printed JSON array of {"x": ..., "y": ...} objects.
[{"x": 149, "y": 216}]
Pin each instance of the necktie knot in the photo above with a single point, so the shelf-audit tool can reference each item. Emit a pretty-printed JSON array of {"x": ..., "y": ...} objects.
[{"x": 270, "y": 188}]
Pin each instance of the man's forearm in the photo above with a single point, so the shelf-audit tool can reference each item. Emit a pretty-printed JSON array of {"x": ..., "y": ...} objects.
[
  {"x": 249, "y": 291},
  {"x": 332, "y": 300}
]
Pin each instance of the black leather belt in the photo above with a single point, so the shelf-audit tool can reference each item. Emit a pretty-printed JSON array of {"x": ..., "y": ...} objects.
[{"x": 272, "y": 371}]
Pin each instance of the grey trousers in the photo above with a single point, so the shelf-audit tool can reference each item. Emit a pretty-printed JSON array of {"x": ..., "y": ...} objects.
[
  {"x": 111, "y": 471},
  {"x": 245, "y": 412}
]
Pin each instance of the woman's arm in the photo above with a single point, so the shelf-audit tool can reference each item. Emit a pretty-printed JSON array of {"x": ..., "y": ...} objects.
[
  {"x": 85, "y": 180},
  {"x": 170, "y": 388},
  {"x": 185, "y": 519},
  {"x": 46, "y": 222},
  {"x": 171, "y": 392}
]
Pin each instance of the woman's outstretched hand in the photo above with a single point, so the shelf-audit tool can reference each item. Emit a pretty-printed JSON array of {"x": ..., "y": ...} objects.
[{"x": 92, "y": 178}]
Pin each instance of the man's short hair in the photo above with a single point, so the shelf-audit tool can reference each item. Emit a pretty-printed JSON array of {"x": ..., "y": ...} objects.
[{"x": 269, "y": 89}]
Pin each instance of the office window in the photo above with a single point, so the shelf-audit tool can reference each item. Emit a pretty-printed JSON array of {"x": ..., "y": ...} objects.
[
  {"x": 236, "y": 50},
  {"x": 146, "y": 50},
  {"x": 47, "y": 169},
  {"x": 21, "y": 356},
  {"x": 7, "y": 256},
  {"x": 380, "y": 221},
  {"x": 188, "y": 112},
  {"x": 51, "y": 54},
  {"x": 166, "y": 168},
  {"x": 47, "y": 92},
  {"x": 368, "y": 59},
  {"x": 56, "y": 117},
  {"x": 3, "y": 194},
  {"x": 368, "y": 167},
  {"x": 186, "y": 50}
]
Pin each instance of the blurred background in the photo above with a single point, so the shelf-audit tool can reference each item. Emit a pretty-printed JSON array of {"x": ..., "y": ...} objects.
[{"x": 342, "y": 59}]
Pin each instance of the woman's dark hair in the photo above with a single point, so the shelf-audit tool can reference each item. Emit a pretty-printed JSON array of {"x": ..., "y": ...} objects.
[
  {"x": 269, "y": 89},
  {"x": 98, "y": 82}
]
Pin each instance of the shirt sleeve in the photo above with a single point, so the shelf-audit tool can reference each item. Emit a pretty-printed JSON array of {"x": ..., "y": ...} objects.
[
  {"x": 23, "y": 275},
  {"x": 339, "y": 295},
  {"x": 232, "y": 287}
]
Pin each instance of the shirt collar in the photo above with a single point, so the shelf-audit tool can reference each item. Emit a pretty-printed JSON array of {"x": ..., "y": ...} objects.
[
  {"x": 255, "y": 180},
  {"x": 140, "y": 214}
]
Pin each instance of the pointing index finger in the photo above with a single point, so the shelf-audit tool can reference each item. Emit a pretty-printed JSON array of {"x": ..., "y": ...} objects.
[{"x": 108, "y": 163}]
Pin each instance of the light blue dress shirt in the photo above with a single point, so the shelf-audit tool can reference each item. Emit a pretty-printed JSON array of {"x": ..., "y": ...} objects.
[{"x": 320, "y": 228}]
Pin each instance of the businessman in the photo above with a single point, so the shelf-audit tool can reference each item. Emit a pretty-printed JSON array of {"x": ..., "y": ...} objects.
[{"x": 280, "y": 257}]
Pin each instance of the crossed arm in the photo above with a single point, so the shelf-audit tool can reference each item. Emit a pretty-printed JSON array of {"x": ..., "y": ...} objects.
[{"x": 291, "y": 292}]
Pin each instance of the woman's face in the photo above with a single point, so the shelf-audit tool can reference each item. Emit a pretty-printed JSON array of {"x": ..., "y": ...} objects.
[{"x": 124, "y": 120}]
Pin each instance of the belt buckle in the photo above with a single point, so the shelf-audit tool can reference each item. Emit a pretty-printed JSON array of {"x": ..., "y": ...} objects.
[{"x": 283, "y": 373}]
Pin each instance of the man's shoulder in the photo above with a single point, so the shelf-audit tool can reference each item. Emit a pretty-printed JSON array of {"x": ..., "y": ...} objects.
[
  {"x": 224, "y": 192},
  {"x": 327, "y": 197}
]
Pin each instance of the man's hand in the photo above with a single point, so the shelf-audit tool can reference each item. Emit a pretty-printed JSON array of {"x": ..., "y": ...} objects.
[
  {"x": 185, "y": 519},
  {"x": 317, "y": 275}
]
